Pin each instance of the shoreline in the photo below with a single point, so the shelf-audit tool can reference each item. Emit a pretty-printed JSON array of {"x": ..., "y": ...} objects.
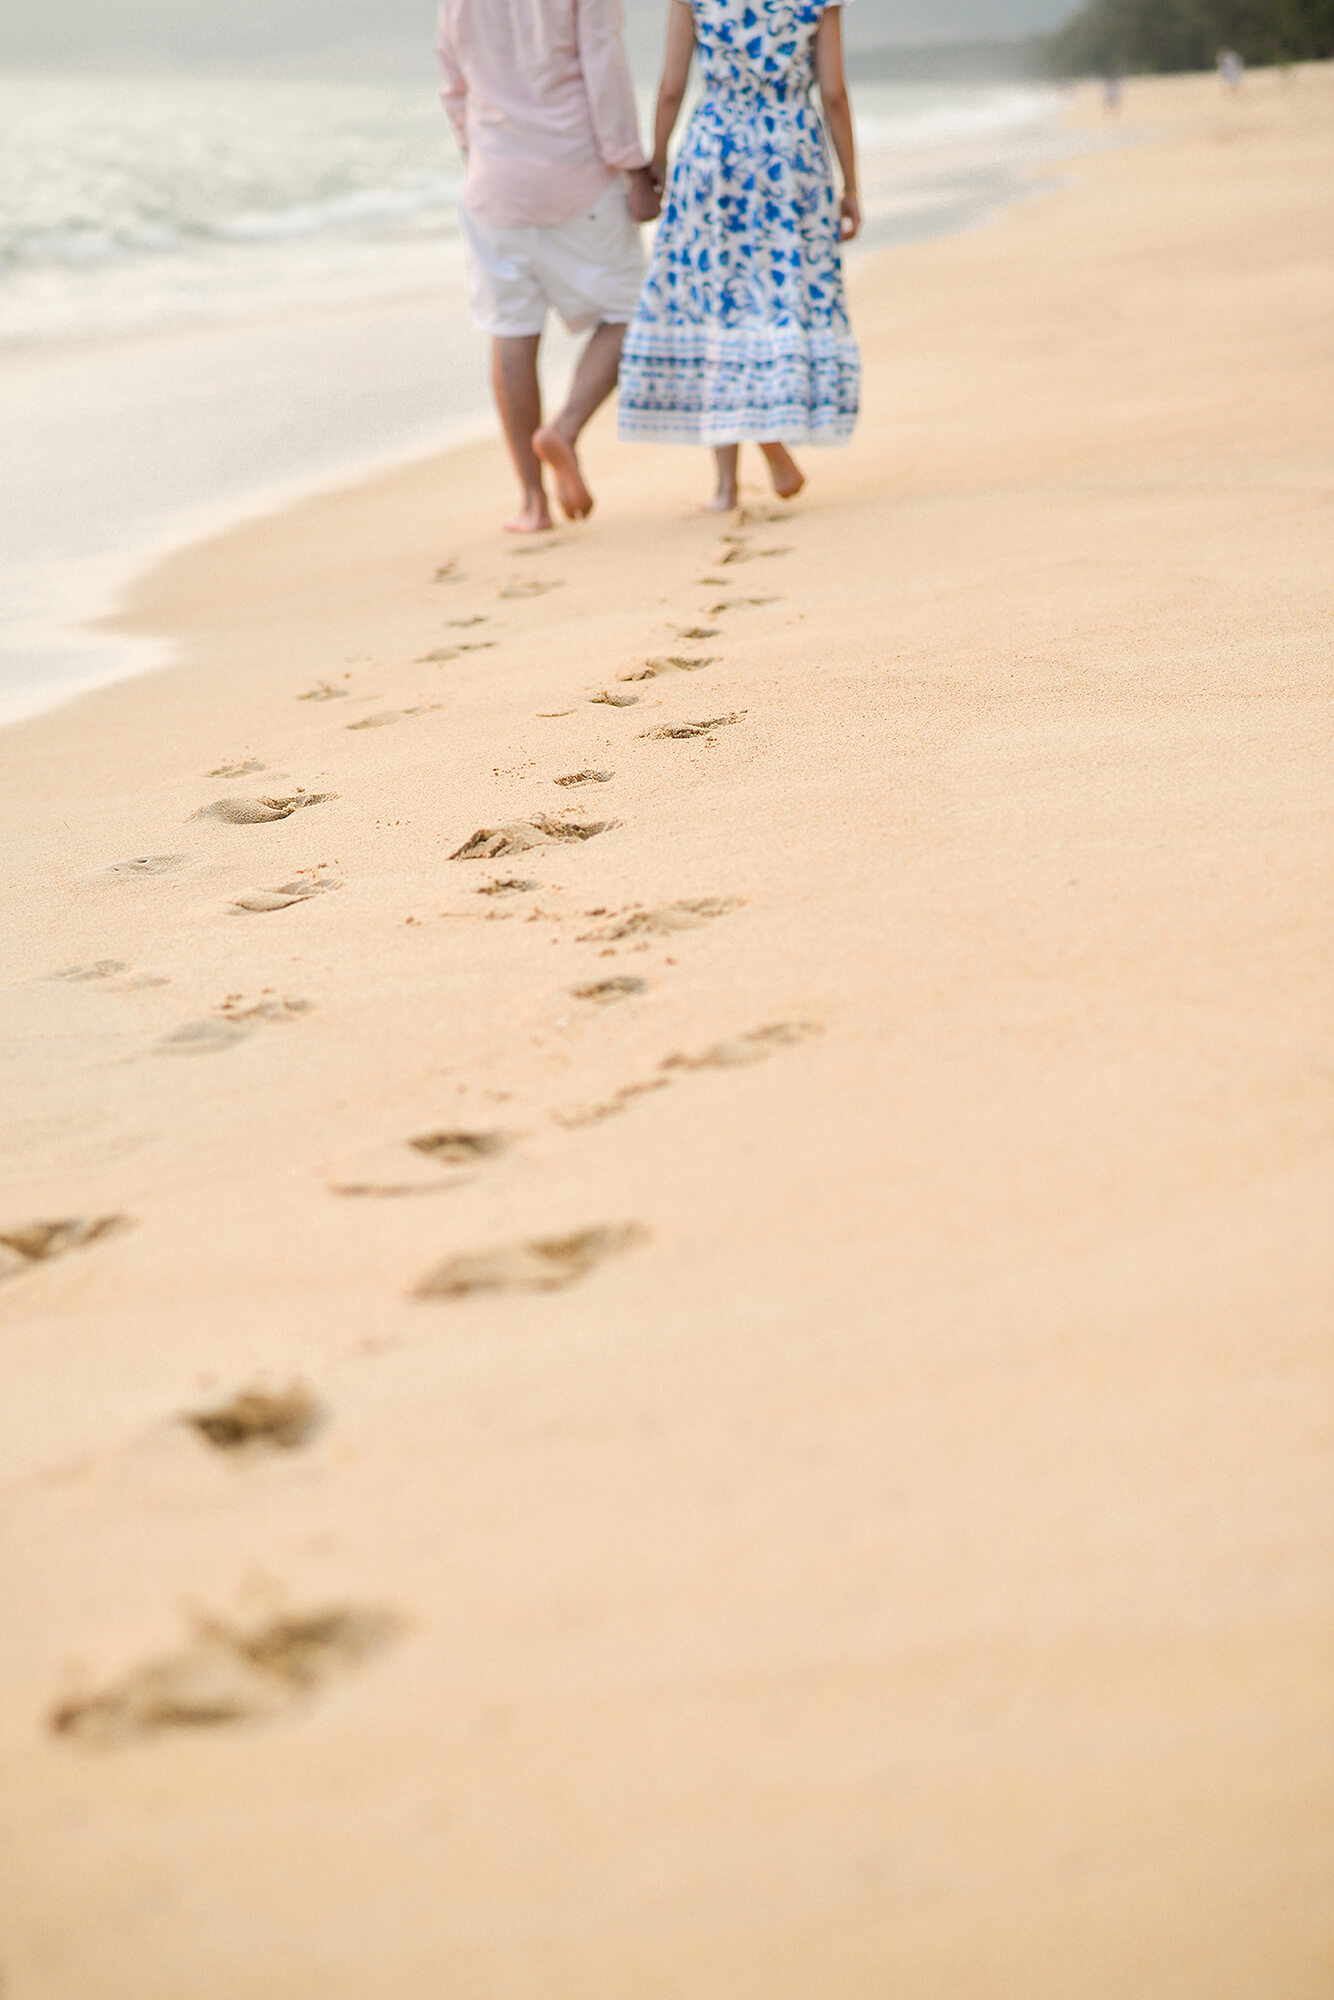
[
  {"x": 758, "y": 1111},
  {"x": 85, "y": 588}
]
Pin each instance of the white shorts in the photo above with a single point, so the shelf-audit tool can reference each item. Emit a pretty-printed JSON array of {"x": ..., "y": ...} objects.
[{"x": 589, "y": 271}]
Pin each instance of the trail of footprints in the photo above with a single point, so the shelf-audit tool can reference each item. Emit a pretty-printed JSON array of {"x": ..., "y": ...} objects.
[{"x": 230, "y": 1672}]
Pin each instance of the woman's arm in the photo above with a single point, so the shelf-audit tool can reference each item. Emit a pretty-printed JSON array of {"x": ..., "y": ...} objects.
[
  {"x": 838, "y": 114},
  {"x": 672, "y": 89}
]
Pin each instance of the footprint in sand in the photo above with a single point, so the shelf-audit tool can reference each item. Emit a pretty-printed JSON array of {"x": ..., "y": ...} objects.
[
  {"x": 754, "y": 1046},
  {"x": 741, "y": 554},
  {"x": 444, "y": 653},
  {"x": 663, "y": 920},
  {"x": 388, "y": 715},
  {"x": 610, "y": 700},
  {"x": 532, "y": 586},
  {"x": 738, "y": 604},
  {"x": 108, "y": 969},
  {"x": 545, "y": 1264},
  {"x": 509, "y": 885},
  {"x": 322, "y": 691},
  {"x": 78, "y": 975},
  {"x": 673, "y": 663},
  {"x": 593, "y": 1114},
  {"x": 463, "y": 624},
  {"x": 199, "y": 1038},
  {"x": 26, "y": 1244},
  {"x": 141, "y": 866},
  {"x": 229, "y": 1673},
  {"x": 428, "y": 1164},
  {"x": 259, "y": 1420},
  {"x": 268, "y": 1008},
  {"x": 262, "y": 900},
  {"x": 245, "y": 770},
  {"x": 259, "y": 812},
  {"x": 679, "y": 732},
  {"x": 233, "y": 1023},
  {"x": 537, "y": 548},
  {"x": 696, "y": 631},
  {"x": 586, "y": 778},
  {"x": 604, "y": 992},
  {"x": 489, "y": 843},
  {"x": 448, "y": 572}
]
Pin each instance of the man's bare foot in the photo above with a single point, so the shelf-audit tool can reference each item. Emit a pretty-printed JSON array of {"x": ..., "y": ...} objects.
[
  {"x": 785, "y": 475},
  {"x": 558, "y": 455},
  {"x": 721, "y": 503},
  {"x": 533, "y": 518}
]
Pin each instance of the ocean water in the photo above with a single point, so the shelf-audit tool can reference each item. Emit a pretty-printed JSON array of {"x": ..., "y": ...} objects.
[
  {"x": 132, "y": 203},
  {"x": 217, "y": 293}
]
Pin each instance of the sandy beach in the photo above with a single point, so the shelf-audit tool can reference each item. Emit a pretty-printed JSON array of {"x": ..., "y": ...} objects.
[{"x": 665, "y": 1325}]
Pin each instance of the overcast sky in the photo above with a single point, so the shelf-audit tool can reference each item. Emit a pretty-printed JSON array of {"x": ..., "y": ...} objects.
[{"x": 163, "y": 32}]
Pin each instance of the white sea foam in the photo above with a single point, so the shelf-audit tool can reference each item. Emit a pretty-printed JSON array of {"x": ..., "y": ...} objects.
[
  {"x": 909, "y": 118},
  {"x": 369, "y": 208},
  {"x": 125, "y": 175}
]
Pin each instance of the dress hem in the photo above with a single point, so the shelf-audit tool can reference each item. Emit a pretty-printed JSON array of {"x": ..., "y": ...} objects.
[{"x": 712, "y": 437}]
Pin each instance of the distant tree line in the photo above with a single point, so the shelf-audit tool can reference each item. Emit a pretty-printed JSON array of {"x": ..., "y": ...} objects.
[{"x": 1138, "y": 35}]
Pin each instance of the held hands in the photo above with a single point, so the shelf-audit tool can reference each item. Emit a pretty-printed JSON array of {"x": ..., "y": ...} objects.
[
  {"x": 644, "y": 190},
  {"x": 849, "y": 218}
]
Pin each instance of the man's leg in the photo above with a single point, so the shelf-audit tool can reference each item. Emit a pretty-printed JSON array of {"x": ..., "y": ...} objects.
[
  {"x": 554, "y": 443},
  {"x": 519, "y": 400}
]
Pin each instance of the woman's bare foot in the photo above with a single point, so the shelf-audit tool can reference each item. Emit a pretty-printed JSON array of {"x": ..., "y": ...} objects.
[
  {"x": 785, "y": 475},
  {"x": 558, "y": 455},
  {"x": 726, "y": 494},
  {"x": 533, "y": 517}
]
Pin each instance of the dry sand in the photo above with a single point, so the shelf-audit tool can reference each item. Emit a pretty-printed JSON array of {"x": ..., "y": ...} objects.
[{"x": 869, "y": 1534}]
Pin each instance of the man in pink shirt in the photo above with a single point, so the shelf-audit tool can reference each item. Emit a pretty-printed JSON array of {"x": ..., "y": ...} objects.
[{"x": 540, "y": 98}]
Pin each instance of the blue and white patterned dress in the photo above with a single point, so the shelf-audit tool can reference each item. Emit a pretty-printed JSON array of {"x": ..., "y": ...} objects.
[{"x": 742, "y": 330}]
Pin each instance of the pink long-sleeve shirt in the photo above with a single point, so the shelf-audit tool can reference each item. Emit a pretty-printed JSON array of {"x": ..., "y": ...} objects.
[{"x": 540, "y": 98}]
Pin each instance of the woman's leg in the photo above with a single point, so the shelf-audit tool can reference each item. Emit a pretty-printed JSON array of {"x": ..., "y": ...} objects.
[
  {"x": 727, "y": 494},
  {"x": 784, "y": 472}
]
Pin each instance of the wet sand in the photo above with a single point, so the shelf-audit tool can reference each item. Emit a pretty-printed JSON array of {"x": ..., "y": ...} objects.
[{"x": 686, "y": 1351}]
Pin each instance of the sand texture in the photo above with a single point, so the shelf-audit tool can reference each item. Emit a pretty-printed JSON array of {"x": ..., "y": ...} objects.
[{"x": 664, "y": 1199}]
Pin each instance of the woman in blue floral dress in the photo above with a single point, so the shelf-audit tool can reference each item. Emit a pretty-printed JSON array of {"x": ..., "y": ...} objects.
[{"x": 742, "y": 331}]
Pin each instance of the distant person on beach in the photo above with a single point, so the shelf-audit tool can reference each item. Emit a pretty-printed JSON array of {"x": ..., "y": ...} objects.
[
  {"x": 1231, "y": 68},
  {"x": 1111, "y": 87},
  {"x": 742, "y": 332},
  {"x": 540, "y": 98}
]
